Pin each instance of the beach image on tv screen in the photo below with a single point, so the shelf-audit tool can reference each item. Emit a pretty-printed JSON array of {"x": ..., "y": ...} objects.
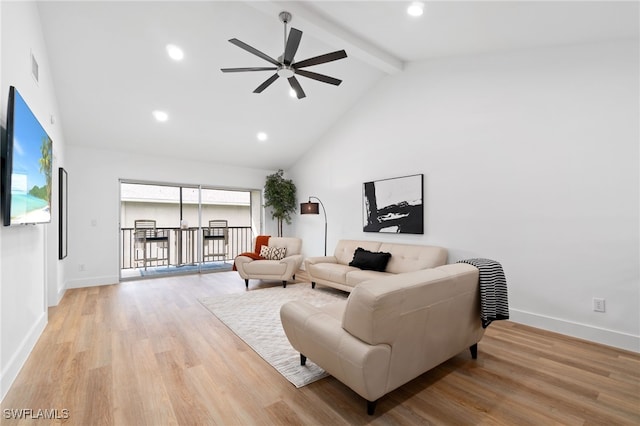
[{"x": 31, "y": 174}]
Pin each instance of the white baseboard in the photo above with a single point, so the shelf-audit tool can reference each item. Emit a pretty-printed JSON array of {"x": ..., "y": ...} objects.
[
  {"x": 21, "y": 355},
  {"x": 59, "y": 296},
  {"x": 582, "y": 331},
  {"x": 93, "y": 281}
]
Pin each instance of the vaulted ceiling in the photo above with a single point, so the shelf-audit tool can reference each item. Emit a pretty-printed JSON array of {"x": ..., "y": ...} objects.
[{"x": 111, "y": 69}]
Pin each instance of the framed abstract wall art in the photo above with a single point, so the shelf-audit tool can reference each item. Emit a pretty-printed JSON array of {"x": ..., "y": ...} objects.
[{"x": 394, "y": 205}]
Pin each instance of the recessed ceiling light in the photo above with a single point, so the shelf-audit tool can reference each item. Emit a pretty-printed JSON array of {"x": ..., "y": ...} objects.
[
  {"x": 262, "y": 136},
  {"x": 416, "y": 8},
  {"x": 175, "y": 52},
  {"x": 160, "y": 115},
  {"x": 293, "y": 93}
]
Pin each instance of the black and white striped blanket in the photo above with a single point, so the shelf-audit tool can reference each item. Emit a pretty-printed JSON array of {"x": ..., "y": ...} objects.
[{"x": 494, "y": 303}]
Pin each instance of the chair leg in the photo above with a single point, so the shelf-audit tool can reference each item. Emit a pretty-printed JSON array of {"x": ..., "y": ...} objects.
[
  {"x": 246, "y": 283},
  {"x": 474, "y": 351},
  {"x": 293, "y": 277},
  {"x": 303, "y": 359},
  {"x": 371, "y": 407},
  {"x": 284, "y": 283},
  {"x": 313, "y": 285}
]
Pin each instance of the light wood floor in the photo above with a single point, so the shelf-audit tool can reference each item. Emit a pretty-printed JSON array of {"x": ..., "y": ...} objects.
[{"x": 146, "y": 352}]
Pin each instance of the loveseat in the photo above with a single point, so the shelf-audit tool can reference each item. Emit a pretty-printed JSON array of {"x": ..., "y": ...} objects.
[
  {"x": 282, "y": 269},
  {"x": 391, "y": 329},
  {"x": 334, "y": 271}
]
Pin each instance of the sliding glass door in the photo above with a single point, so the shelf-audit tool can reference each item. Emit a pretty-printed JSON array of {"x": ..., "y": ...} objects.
[{"x": 188, "y": 229}]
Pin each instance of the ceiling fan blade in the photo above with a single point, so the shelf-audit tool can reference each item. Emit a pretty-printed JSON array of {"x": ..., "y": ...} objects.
[
  {"x": 292, "y": 45},
  {"x": 295, "y": 85},
  {"x": 248, "y": 69},
  {"x": 320, "y": 77},
  {"x": 328, "y": 57},
  {"x": 266, "y": 84},
  {"x": 253, "y": 50}
]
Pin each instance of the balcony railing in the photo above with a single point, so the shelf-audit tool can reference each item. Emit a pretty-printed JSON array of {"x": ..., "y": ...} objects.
[{"x": 184, "y": 246}]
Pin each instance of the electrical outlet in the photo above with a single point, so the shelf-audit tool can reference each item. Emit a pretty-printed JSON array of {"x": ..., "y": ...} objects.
[
  {"x": 598, "y": 304},
  {"x": 81, "y": 267}
]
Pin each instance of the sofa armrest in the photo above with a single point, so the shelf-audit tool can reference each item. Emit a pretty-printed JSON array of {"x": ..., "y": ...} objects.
[
  {"x": 320, "y": 337},
  {"x": 241, "y": 260},
  {"x": 293, "y": 264}
]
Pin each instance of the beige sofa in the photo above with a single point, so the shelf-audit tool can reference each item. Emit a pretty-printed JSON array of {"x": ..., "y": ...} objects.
[
  {"x": 391, "y": 329},
  {"x": 264, "y": 269},
  {"x": 334, "y": 271}
]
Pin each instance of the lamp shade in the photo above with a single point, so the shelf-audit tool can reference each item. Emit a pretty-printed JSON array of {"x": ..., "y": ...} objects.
[{"x": 309, "y": 208}]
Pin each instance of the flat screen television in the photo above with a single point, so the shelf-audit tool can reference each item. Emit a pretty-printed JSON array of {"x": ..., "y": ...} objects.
[{"x": 26, "y": 166}]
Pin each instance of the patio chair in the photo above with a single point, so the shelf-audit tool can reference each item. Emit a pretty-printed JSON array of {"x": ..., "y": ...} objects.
[
  {"x": 215, "y": 241},
  {"x": 147, "y": 237}
]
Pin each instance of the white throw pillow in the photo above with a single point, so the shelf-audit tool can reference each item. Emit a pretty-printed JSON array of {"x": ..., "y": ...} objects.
[
  {"x": 273, "y": 253},
  {"x": 278, "y": 253}
]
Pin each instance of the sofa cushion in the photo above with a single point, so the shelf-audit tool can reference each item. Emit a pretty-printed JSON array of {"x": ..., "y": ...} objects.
[
  {"x": 333, "y": 272},
  {"x": 358, "y": 276},
  {"x": 409, "y": 258},
  {"x": 345, "y": 249},
  {"x": 371, "y": 261},
  {"x": 293, "y": 245},
  {"x": 265, "y": 267}
]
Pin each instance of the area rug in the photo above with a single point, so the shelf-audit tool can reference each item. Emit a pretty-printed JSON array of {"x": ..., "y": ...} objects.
[{"x": 254, "y": 316}]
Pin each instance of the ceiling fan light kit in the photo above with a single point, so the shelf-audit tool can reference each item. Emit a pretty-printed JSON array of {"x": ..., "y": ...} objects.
[{"x": 284, "y": 66}]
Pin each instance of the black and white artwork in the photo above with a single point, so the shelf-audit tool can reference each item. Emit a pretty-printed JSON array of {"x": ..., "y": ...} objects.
[{"x": 394, "y": 205}]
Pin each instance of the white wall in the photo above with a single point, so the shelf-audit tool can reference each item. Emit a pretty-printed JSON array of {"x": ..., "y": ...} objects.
[
  {"x": 530, "y": 158},
  {"x": 31, "y": 274},
  {"x": 94, "y": 203}
]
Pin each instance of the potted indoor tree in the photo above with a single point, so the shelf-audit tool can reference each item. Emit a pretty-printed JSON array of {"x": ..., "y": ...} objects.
[{"x": 280, "y": 195}]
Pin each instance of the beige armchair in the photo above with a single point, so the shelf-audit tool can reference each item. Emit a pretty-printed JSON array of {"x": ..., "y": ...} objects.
[
  {"x": 272, "y": 269},
  {"x": 390, "y": 330}
]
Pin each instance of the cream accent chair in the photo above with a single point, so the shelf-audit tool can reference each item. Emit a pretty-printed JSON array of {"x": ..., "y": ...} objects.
[
  {"x": 284, "y": 269},
  {"x": 390, "y": 330}
]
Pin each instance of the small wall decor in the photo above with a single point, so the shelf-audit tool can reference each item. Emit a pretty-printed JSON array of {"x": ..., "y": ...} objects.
[
  {"x": 63, "y": 220},
  {"x": 394, "y": 205}
]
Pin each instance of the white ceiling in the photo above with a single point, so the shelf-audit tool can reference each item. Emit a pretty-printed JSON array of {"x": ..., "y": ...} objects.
[{"x": 111, "y": 70}]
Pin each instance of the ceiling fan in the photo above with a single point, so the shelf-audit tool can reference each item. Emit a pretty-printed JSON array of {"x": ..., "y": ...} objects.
[{"x": 284, "y": 65}]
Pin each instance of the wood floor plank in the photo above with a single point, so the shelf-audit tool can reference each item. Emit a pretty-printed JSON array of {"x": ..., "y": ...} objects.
[
  {"x": 98, "y": 410},
  {"x": 148, "y": 353}
]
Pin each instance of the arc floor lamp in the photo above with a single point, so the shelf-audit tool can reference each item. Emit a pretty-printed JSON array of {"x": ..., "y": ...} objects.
[{"x": 313, "y": 208}]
